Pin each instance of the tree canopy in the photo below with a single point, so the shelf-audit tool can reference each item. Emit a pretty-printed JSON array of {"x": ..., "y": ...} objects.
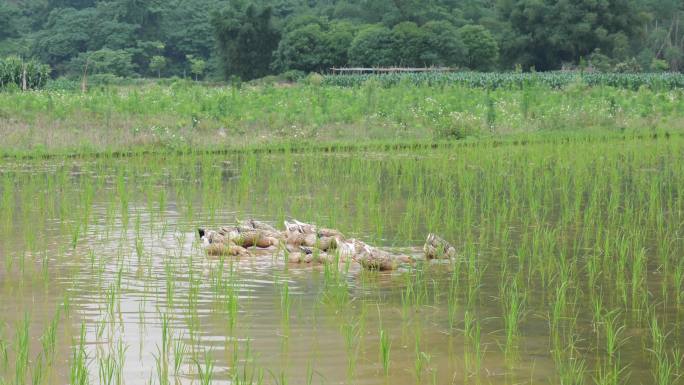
[{"x": 254, "y": 38}]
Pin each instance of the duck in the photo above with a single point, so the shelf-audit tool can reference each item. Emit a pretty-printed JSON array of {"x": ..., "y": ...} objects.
[
  {"x": 308, "y": 255},
  {"x": 350, "y": 248},
  {"x": 437, "y": 248},
  {"x": 216, "y": 243},
  {"x": 251, "y": 232},
  {"x": 299, "y": 234},
  {"x": 304, "y": 234},
  {"x": 373, "y": 258}
]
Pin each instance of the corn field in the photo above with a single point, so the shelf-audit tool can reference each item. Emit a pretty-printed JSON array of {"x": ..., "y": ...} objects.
[
  {"x": 12, "y": 72},
  {"x": 493, "y": 80}
]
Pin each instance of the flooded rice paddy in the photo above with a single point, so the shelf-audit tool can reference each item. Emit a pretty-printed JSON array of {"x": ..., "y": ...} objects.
[{"x": 569, "y": 267}]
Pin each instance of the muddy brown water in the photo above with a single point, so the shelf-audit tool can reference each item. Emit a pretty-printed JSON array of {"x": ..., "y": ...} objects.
[{"x": 111, "y": 248}]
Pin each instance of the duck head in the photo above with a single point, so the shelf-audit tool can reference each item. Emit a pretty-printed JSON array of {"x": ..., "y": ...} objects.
[{"x": 208, "y": 237}]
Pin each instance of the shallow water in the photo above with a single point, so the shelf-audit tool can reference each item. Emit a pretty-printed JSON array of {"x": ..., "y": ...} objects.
[{"x": 109, "y": 246}]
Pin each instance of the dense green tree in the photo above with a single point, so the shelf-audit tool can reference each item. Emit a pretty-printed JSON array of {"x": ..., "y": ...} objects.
[
  {"x": 67, "y": 33},
  {"x": 373, "y": 46},
  {"x": 143, "y": 52},
  {"x": 445, "y": 45},
  {"x": 236, "y": 37},
  {"x": 9, "y": 15},
  {"x": 555, "y": 31},
  {"x": 78, "y": 4},
  {"x": 187, "y": 29},
  {"x": 338, "y": 40},
  {"x": 302, "y": 49},
  {"x": 482, "y": 50},
  {"x": 664, "y": 36},
  {"x": 103, "y": 61},
  {"x": 246, "y": 41},
  {"x": 410, "y": 45},
  {"x": 313, "y": 47},
  {"x": 197, "y": 66},
  {"x": 157, "y": 64}
]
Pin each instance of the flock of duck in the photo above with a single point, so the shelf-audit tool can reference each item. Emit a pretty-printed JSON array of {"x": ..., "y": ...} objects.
[{"x": 307, "y": 243}]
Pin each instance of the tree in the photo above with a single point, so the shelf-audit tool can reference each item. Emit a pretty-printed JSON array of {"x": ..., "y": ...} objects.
[
  {"x": 302, "y": 49},
  {"x": 187, "y": 30},
  {"x": 241, "y": 37},
  {"x": 338, "y": 41},
  {"x": 8, "y": 20},
  {"x": 143, "y": 53},
  {"x": 104, "y": 61},
  {"x": 482, "y": 50},
  {"x": 246, "y": 41},
  {"x": 373, "y": 46},
  {"x": 157, "y": 64},
  {"x": 67, "y": 33},
  {"x": 664, "y": 36},
  {"x": 411, "y": 45},
  {"x": 197, "y": 66},
  {"x": 313, "y": 47},
  {"x": 445, "y": 45},
  {"x": 551, "y": 32}
]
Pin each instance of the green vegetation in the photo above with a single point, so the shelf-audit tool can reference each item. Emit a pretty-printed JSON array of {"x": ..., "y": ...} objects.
[
  {"x": 562, "y": 191},
  {"x": 16, "y": 73},
  {"x": 495, "y": 80},
  {"x": 568, "y": 268},
  {"x": 185, "y": 116},
  {"x": 254, "y": 38}
]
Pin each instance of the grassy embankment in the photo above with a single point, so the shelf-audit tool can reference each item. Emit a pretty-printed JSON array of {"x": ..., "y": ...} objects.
[{"x": 186, "y": 116}]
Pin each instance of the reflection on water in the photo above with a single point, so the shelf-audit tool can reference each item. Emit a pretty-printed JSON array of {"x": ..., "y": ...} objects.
[{"x": 109, "y": 246}]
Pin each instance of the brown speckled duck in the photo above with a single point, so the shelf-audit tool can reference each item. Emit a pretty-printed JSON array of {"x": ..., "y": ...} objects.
[
  {"x": 303, "y": 234},
  {"x": 437, "y": 248},
  {"x": 250, "y": 233},
  {"x": 216, "y": 243},
  {"x": 373, "y": 258},
  {"x": 310, "y": 255}
]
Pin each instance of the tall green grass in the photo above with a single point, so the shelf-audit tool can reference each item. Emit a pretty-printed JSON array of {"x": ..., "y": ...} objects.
[{"x": 188, "y": 117}]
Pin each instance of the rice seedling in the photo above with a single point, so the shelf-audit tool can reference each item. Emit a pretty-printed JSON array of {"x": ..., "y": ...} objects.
[
  {"x": 180, "y": 350},
  {"x": 205, "y": 370},
  {"x": 422, "y": 359},
  {"x": 22, "y": 340},
  {"x": 610, "y": 372},
  {"x": 49, "y": 338},
  {"x": 679, "y": 284},
  {"x": 161, "y": 358},
  {"x": 351, "y": 333},
  {"x": 385, "y": 350},
  {"x": 513, "y": 313},
  {"x": 4, "y": 354},
  {"x": 570, "y": 365},
  {"x": 285, "y": 303},
  {"x": 613, "y": 328},
  {"x": 107, "y": 368},
  {"x": 474, "y": 354},
  {"x": 120, "y": 350},
  {"x": 79, "y": 373}
]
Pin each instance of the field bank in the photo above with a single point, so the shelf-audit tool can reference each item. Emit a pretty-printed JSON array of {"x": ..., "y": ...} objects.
[{"x": 186, "y": 116}]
